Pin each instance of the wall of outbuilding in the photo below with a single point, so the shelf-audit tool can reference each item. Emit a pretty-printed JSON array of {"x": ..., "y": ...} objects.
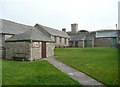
[
  {"x": 103, "y": 42},
  {"x": 17, "y": 49},
  {"x": 27, "y": 49},
  {"x": 50, "y": 50}
]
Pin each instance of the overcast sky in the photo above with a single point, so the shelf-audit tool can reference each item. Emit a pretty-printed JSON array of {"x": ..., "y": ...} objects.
[{"x": 90, "y": 15}]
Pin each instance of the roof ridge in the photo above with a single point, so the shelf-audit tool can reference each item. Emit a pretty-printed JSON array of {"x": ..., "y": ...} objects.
[
  {"x": 50, "y": 27},
  {"x": 17, "y": 23}
]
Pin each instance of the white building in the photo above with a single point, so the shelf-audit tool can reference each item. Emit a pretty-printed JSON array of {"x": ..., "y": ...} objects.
[{"x": 119, "y": 15}]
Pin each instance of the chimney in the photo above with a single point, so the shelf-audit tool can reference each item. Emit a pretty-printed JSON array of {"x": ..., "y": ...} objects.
[
  {"x": 64, "y": 29},
  {"x": 74, "y": 28}
]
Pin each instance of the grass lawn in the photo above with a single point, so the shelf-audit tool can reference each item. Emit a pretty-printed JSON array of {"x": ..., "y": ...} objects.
[
  {"x": 99, "y": 63},
  {"x": 33, "y": 73}
]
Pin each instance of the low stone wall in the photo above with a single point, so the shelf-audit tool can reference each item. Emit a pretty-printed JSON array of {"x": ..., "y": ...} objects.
[{"x": 14, "y": 49}]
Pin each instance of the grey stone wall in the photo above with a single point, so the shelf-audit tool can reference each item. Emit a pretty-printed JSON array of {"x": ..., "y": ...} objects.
[
  {"x": 36, "y": 52},
  {"x": 50, "y": 50},
  {"x": 80, "y": 43},
  {"x": 103, "y": 42},
  {"x": 17, "y": 49}
]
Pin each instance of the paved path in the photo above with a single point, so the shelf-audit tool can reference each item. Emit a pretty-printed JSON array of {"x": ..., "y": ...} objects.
[{"x": 75, "y": 74}]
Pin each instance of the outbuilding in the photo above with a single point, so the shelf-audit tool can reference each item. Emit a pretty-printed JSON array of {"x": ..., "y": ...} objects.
[
  {"x": 30, "y": 45},
  {"x": 108, "y": 38}
]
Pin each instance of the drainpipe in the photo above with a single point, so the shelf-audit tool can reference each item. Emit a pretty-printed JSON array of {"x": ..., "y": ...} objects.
[
  {"x": 83, "y": 43},
  {"x": 30, "y": 50}
]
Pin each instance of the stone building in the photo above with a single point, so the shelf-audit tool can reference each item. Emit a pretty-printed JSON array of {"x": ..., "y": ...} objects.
[
  {"x": 80, "y": 38},
  {"x": 7, "y": 30},
  {"x": 60, "y": 38},
  {"x": 107, "y": 38},
  {"x": 10, "y": 30},
  {"x": 30, "y": 45}
]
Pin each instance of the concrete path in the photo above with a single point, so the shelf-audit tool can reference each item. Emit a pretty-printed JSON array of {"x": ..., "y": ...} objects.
[{"x": 75, "y": 74}]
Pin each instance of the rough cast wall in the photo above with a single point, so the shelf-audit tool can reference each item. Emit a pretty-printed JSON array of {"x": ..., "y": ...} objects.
[
  {"x": 103, "y": 42},
  {"x": 50, "y": 50},
  {"x": 61, "y": 42},
  {"x": 20, "y": 48}
]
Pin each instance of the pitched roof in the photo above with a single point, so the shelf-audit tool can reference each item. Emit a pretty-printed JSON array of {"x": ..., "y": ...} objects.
[
  {"x": 9, "y": 27},
  {"x": 107, "y": 33},
  {"x": 55, "y": 32},
  {"x": 90, "y": 36},
  {"x": 78, "y": 36},
  {"x": 33, "y": 34}
]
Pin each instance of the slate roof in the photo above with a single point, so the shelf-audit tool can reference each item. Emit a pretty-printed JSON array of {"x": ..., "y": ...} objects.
[
  {"x": 90, "y": 36},
  {"x": 9, "y": 27},
  {"x": 76, "y": 37},
  {"x": 32, "y": 34},
  {"x": 107, "y": 33},
  {"x": 55, "y": 32}
]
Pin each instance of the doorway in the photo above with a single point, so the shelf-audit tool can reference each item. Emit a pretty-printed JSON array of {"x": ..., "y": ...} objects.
[{"x": 43, "y": 48}]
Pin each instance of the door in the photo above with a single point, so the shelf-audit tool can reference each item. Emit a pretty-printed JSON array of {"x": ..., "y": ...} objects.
[
  {"x": 43, "y": 49},
  {"x": 76, "y": 43},
  {"x": 85, "y": 43},
  {"x": 114, "y": 41}
]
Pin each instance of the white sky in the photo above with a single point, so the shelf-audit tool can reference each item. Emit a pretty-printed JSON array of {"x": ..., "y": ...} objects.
[{"x": 90, "y": 15}]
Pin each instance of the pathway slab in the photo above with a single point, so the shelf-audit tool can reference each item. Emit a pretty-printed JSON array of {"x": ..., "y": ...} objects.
[{"x": 82, "y": 78}]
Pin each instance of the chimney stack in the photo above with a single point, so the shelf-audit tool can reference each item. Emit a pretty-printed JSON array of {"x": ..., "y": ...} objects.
[
  {"x": 64, "y": 29},
  {"x": 74, "y": 28}
]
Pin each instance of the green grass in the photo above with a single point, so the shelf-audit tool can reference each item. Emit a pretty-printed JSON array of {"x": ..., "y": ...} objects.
[
  {"x": 99, "y": 63},
  {"x": 33, "y": 73}
]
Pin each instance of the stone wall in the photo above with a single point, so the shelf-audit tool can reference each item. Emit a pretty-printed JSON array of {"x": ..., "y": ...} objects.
[
  {"x": 16, "y": 49},
  {"x": 36, "y": 51},
  {"x": 50, "y": 50},
  {"x": 103, "y": 42},
  {"x": 80, "y": 43}
]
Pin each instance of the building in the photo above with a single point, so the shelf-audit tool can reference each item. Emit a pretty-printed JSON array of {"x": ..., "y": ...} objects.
[
  {"x": 30, "y": 45},
  {"x": 9, "y": 32},
  {"x": 81, "y": 38},
  {"x": 60, "y": 38},
  {"x": 8, "y": 29},
  {"x": 107, "y": 38}
]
